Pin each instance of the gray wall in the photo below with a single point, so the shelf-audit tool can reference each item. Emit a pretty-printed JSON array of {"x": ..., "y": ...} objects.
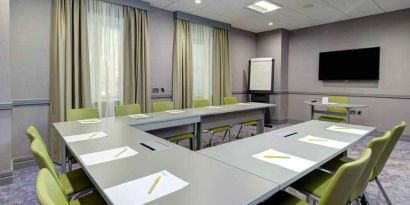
[
  {"x": 5, "y": 113},
  {"x": 390, "y": 31}
]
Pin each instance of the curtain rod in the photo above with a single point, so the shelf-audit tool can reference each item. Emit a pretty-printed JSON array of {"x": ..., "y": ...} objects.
[
  {"x": 132, "y": 3},
  {"x": 201, "y": 20}
]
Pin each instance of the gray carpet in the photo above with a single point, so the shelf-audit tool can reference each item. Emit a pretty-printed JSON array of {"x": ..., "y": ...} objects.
[{"x": 395, "y": 176}]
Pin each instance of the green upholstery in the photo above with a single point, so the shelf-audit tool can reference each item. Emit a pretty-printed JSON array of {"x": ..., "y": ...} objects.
[
  {"x": 162, "y": 106},
  {"x": 334, "y": 118},
  {"x": 169, "y": 105},
  {"x": 204, "y": 103},
  {"x": 131, "y": 109},
  {"x": 396, "y": 133},
  {"x": 82, "y": 114},
  {"x": 32, "y": 134},
  {"x": 230, "y": 100},
  {"x": 201, "y": 103},
  {"x": 337, "y": 189},
  {"x": 50, "y": 193},
  {"x": 376, "y": 145},
  {"x": 70, "y": 182}
]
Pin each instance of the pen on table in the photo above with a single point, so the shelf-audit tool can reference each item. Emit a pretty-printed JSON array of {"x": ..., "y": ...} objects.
[
  {"x": 124, "y": 150},
  {"x": 273, "y": 156},
  {"x": 93, "y": 135},
  {"x": 317, "y": 140},
  {"x": 154, "y": 185}
]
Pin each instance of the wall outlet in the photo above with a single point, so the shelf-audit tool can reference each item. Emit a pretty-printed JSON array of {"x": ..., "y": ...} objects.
[
  {"x": 155, "y": 90},
  {"x": 359, "y": 112},
  {"x": 353, "y": 112}
]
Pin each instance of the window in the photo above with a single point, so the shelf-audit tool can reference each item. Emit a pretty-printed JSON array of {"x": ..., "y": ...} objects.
[{"x": 202, "y": 61}]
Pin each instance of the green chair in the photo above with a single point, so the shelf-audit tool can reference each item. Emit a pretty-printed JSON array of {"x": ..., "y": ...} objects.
[
  {"x": 309, "y": 184},
  {"x": 131, "y": 109},
  {"x": 226, "y": 129},
  {"x": 168, "y": 105},
  {"x": 341, "y": 110},
  {"x": 71, "y": 182},
  {"x": 49, "y": 192},
  {"x": 32, "y": 134},
  {"x": 233, "y": 100},
  {"x": 337, "y": 190},
  {"x": 82, "y": 114}
]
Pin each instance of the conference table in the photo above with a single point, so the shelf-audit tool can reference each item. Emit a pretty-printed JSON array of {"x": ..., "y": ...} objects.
[
  {"x": 291, "y": 141},
  {"x": 224, "y": 174},
  {"x": 348, "y": 107}
]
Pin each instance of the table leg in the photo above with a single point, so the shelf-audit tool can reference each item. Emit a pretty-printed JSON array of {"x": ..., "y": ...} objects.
[
  {"x": 198, "y": 135},
  {"x": 63, "y": 157},
  {"x": 312, "y": 112},
  {"x": 348, "y": 116},
  {"x": 261, "y": 123}
]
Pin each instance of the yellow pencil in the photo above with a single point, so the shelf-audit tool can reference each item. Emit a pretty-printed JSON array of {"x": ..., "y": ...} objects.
[
  {"x": 124, "y": 150},
  {"x": 272, "y": 156},
  {"x": 317, "y": 140},
  {"x": 93, "y": 135},
  {"x": 341, "y": 128},
  {"x": 154, "y": 185}
]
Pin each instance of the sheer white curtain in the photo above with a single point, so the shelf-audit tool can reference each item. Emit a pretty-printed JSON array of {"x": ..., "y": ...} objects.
[
  {"x": 202, "y": 59},
  {"x": 106, "y": 41}
]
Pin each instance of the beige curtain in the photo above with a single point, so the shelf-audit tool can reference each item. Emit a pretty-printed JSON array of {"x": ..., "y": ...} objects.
[
  {"x": 69, "y": 74},
  {"x": 136, "y": 59},
  {"x": 222, "y": 67},
  {"x": 182, "y": 65}
]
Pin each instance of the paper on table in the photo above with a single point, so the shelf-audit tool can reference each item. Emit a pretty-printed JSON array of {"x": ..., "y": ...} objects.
[
  {"x": 86, "y": 136},
  {"x": 324, "y": 142},
  {"x": 137, "y": 116},
  {"x": 89, "y": 121},
  {"x": 347, "y": 130},
  {"x": 213, "y": 107},
  {"x": 325, "y": 100},
  {"x": 137, "y": 191},
  {"x": 243, "y": 104},
  {"x": 293, "y": 163},
  {"x": 107, "y": 155},
  {"x": 175, "y": 111}
]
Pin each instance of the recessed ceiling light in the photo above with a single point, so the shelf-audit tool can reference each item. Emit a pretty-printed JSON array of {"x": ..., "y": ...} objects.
[
  {"x": 270, "y": 23},
  {"x": 197, "y": 1},
  {"x": 263, "y": 6}
]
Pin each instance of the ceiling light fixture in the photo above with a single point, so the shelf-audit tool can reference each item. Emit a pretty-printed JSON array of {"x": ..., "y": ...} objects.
[
  {"x": 263, "y": 7},
  {"x": 197, "y": 1}
]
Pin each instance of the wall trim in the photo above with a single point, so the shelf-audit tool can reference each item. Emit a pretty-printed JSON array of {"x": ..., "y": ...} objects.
[
  {"x": 6, "y": 178},
  {"x": 161, "y": 95},
  {"x": 201, "y": 20},
  {"x": 6, "y": 105},
  {"x": 31, "y": 102},
  {"x": 24, "y": 162}
]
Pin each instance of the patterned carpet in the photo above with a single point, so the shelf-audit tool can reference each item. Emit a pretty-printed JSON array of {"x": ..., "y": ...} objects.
[{"x": 395, "y": 176}]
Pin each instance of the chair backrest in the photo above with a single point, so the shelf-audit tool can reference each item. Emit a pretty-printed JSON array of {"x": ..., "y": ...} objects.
[
  {"x": 32, "y": 134},
  {"x": 162, "y": 106},
  {"x": 377, "y": 146},
  {"x": 201, "y": 103},
  {"x": 131, "y": 109},
  {"x": 43, "y": 159},
  {"x": 339, "y": 189},
  {"x": 395, "y": 136},
  {"x": 82, "y": 114},
  {"x": 48, "y": 191},
  {"x": 230, "y": 100},
  {"x": 339, "y": 100}
]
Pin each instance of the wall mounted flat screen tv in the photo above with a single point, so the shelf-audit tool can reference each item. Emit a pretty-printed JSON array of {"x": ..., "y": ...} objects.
[{"x": 357, "y": 64}]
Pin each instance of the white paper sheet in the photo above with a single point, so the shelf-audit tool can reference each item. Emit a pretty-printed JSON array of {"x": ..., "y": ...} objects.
[
  {"x": 138, "y": 116},
  {"x": 347, "y": 130},
  {"x": 175, "y": 111},
  {"x": 107, "y": 155},
  {"x": 86, "y": 136},
  {"x": 324, "y": 142},
  {"x": 137, "y": 191},
  {"x": 89, "y": 121},
  {"x": 243, "y": 104},
  {"x": 293, "y": 163},
  {"x": 213, "y": 107},
  {"x": 325, "y": 100}
]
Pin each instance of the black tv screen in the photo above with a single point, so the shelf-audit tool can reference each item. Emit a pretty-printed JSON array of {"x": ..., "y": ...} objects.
[{"x": 357, "y": 64}]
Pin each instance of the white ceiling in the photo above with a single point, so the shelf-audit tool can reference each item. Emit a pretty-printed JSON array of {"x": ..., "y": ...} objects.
[{"x": 291, "y": 16}]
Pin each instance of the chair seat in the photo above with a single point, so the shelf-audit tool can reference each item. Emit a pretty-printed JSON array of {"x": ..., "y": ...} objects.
[
  {"x": 314, "y": 183},
  {"x": 334, "y": 164},
  {"x": 283, "y": 198},
  {"x": 250, "y": 123},
  {"x": 181, "y": 137},
  {"x": 220, "y": 129},
  {"x": 75, "y": 181},
  {"x": 90, "y": 199},
  {"x": 331, "y": 118}
]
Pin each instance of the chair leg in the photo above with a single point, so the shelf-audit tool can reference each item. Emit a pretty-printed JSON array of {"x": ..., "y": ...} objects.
[
  {"x": 223, "y": 138},
  {"x": 191, "y": 144},
  {"x": 70, "y": 165},
  {"x": 229, "y": 133},
  {"x": 211, "y": 141},
  {"x": 240, "y": 130},
  {"x": 383, "y": 191}
]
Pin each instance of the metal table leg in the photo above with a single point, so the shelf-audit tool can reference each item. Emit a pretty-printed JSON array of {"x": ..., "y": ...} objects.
[
  {"x": 198, "y": 135},
  {"x": 261, "y": 123},
  {"x": 312, "y": 112}
]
